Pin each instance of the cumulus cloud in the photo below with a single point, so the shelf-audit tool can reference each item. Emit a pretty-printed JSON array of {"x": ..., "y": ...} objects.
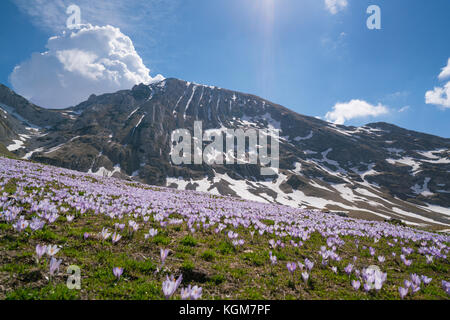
[
  {"x": 147, "y": 22},
  {"x": 334, "y": 6},
  {"x": 91, "y": 60},
  {"x": 440, "y": 96},
  {"x": 343, "y": 112}
]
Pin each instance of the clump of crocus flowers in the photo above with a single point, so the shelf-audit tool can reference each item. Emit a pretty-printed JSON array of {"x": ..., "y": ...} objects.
[
  {"x": 373, "y": 278},
  {"x": 51, "y": 251},
  {"x": 191, "y": 293}
]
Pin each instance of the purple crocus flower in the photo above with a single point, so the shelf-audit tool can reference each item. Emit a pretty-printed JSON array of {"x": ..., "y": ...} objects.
[
  {"x": 415, "y": 288},
  {"x": 152, "y": 232},
  {"x": 117, "y": 271},
  {"x": 273, "y": 259},
  {"x": 115, "y": 238},
  {"x": 407, "y": 262},
  {"x": 196, "y": 293},
  {"x": 52, "y": 250},
  {"x": 171, "y": 285},
  {"x": 426, "y": 280},
  {"x": 186, "y": 293},
  {"x": 40, "y": 251},
  {"x": 54, "y": 265},
  {"x": 415, "y": 279},
  {"x": 20, "y": 225},
  {"x": 356, "y": 284},
  {"x": 232, "y": 235},
  {"x": 305, "y": 276},
  {"x": 348, "y": 269},
  {"x": 309, "y": 264},
  {"x": 403, "y": 292},
  {"x": 105, "y": 234},
  {"x": 291, "y": 266},
  {"x": 446, "y": 286},
  {"x": 272, "y": 243},
  {"x": 164, "y": 254}
]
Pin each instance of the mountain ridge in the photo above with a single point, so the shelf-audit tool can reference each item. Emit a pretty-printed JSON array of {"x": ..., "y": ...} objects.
[{"x": 376, "y": 171}]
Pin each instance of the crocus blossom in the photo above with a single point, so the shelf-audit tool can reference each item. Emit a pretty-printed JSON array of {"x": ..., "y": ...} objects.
[
  {"x": 54, "y": 265},
  {"x": 170, "y": 285},
  {"x": 117, "y": 271},
  {"x": 40, "y": 251},
  {"x": 164, "y": 254},
  {"x": 52, "y": 250}
]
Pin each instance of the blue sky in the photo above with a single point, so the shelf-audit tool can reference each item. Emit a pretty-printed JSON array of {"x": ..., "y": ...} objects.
[{"x": 297, "y": 53}]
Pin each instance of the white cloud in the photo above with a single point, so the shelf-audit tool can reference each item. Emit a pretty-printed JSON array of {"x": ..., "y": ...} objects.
[
  {"x": 334, "y": 6},
  {"x": 440, "y": 96},
  {"x": 92, "y": 60},
  {"x": 343, "y": 112},
  {"x": 445, "y": 71}
]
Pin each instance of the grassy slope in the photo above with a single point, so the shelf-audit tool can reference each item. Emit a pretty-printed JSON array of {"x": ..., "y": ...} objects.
[
  {"x": 5, "y": 152},
  {"x": 205, "y": 258}
]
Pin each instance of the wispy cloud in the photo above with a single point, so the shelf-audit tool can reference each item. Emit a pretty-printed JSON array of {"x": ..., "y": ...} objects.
[
  {"x": 404, "y": 109},
  {"x": 335, "y": 45},
  {"x": 335, "y": 6},
  {"x": 51, "y": 14},
  {"x": 141, "y": 20}
]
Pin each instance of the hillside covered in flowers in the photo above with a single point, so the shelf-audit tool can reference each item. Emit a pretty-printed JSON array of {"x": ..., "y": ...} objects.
[{"x": 134, "y": 241}]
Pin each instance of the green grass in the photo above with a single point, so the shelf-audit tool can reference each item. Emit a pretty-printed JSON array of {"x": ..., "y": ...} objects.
[
  {"x": 208, "y": 255},
  {"x": 256, "y": 258},
  {"x": 188, "y": 266},
  {"x": 160, "y": 239},
  {"x": 225, "y": 248},
  {"x": 189, "y": 241},
  {"x": 205, "y": 258},
  {"x": 4, "y": 152},
  {"x": 49, "y": 292}
]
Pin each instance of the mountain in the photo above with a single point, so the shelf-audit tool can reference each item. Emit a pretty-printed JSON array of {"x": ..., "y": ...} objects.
[{"x": 378, "y": 171}]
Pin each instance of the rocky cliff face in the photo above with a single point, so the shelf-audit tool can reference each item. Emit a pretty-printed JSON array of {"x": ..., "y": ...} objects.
[{"x": 377, "y": 171}]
